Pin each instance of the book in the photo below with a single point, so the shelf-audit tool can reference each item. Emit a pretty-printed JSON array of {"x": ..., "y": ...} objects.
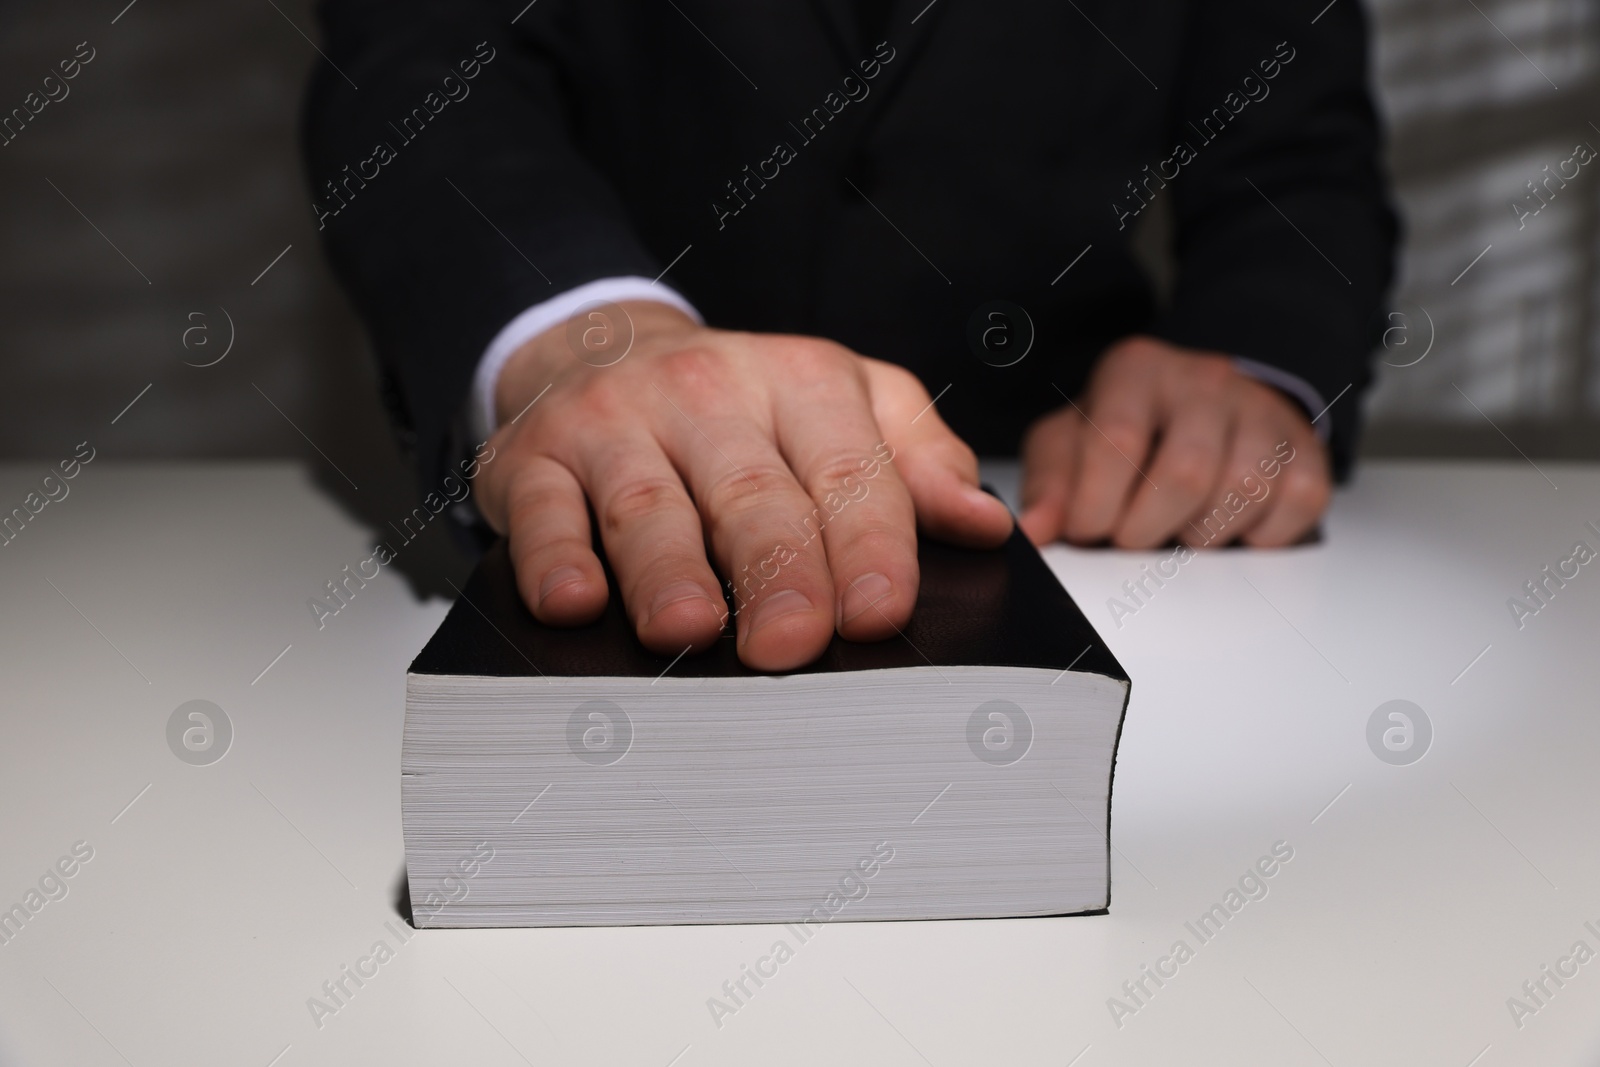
[{"x": 570, "y": 777}]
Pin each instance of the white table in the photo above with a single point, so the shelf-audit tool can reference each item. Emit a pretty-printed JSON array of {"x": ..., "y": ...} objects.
[{"x": 220, "y": 898}]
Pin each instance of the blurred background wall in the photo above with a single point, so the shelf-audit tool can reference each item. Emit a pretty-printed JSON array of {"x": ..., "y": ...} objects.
[
  {"x": 157, "y": 214},
  {"x": 1481, "y": 96},
  {"x": 140, "y": 212}
]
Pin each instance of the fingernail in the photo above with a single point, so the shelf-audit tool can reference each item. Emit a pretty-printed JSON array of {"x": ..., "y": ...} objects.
[
  {"x": 674, "y": 593},
  {"x": 865, "y": 592},
  {"x": 557, "y": 578},
  {"x": 780, "y": 604}
]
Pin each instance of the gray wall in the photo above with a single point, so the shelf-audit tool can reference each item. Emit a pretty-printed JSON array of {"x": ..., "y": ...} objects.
[
  {"x": 1479, "y": 100},
  {"x": 177, "y": 143}
]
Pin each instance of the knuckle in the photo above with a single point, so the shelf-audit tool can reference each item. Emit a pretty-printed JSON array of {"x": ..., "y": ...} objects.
[
  {"x": 640, "y": 500},
  {"x": 877, "y": 539},
  {"x": 1309, "y": 492},
  {"x": 530, "y": 501},
  {"x": 1211, "y": 373},
  {"x": 1127, "y": 436},
  {"x": 739, "y": 491},
  {"x": 838, "y": 471},
  {"x": 670, "y": 564},
  {"x": 693, "y": 365},
  {"x": 813, "y": 358},
  {"x": 901, "y": 378},
  {"x": 1126, "y": 351},
  {"x": 538, "y": 557},
  {"x": 881, "y": 378},
  {"x": 598, "y": 398},
  {"x": 1189, "y": 475},
  {"x": 1134, "y": 354}
]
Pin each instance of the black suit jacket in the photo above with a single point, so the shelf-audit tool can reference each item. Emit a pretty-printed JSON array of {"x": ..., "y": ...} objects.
[{"x": 991, "y": 144}]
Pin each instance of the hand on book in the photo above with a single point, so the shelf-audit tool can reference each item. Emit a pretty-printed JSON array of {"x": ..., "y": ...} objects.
[
  {"x": 1163, "y": 437},
  {"x": 803, "y": 469}
]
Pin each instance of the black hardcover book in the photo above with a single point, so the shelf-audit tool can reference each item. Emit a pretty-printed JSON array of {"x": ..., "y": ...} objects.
[{"x": 561, "y": 777}]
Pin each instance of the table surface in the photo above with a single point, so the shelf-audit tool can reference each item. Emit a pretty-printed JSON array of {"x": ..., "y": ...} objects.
[{"x": 220, "y": 898}]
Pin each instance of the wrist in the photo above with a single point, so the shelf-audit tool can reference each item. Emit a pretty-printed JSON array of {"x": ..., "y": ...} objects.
[{"x": 598, "y": 336}]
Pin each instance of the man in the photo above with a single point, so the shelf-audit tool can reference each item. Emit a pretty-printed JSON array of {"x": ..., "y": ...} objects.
[{"x": 701, "y": 265}]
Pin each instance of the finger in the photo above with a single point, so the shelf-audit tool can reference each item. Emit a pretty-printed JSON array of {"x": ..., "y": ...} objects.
[
  {"x": 653, "y": 539},
  {"x": 1301, "y": 494},
  {"x": 937, "y": 467},
  {"x": 1048, "y": 454},
  {"x": 748, "y": 501},
  {"x": 1121, "y": 417},
  {"x": 557, "y": 571},
  {"x": 1244, "y": 498},
  {"x": 1188, "y": 467},
  {"x": 863, "y": 513}
]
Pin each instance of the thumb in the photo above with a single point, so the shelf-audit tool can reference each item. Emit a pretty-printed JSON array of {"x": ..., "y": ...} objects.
[{"x": 937, "y": 467}]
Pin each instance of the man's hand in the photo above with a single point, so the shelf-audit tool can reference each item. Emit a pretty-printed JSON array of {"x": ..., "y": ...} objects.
[
  {"x": 746, "y": 445},
  {"x": 1158, "y": 440}
]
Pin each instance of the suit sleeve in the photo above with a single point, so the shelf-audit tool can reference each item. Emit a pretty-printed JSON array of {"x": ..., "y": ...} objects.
[
  {"x": 1285, "y": 237},
  {"x": 450, "y": 192}
]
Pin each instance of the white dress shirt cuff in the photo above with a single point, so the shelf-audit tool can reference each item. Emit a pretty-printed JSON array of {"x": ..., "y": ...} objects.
[
  {"x": 1297, "y": 387},
  {"x": 539, "y": 318}
]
